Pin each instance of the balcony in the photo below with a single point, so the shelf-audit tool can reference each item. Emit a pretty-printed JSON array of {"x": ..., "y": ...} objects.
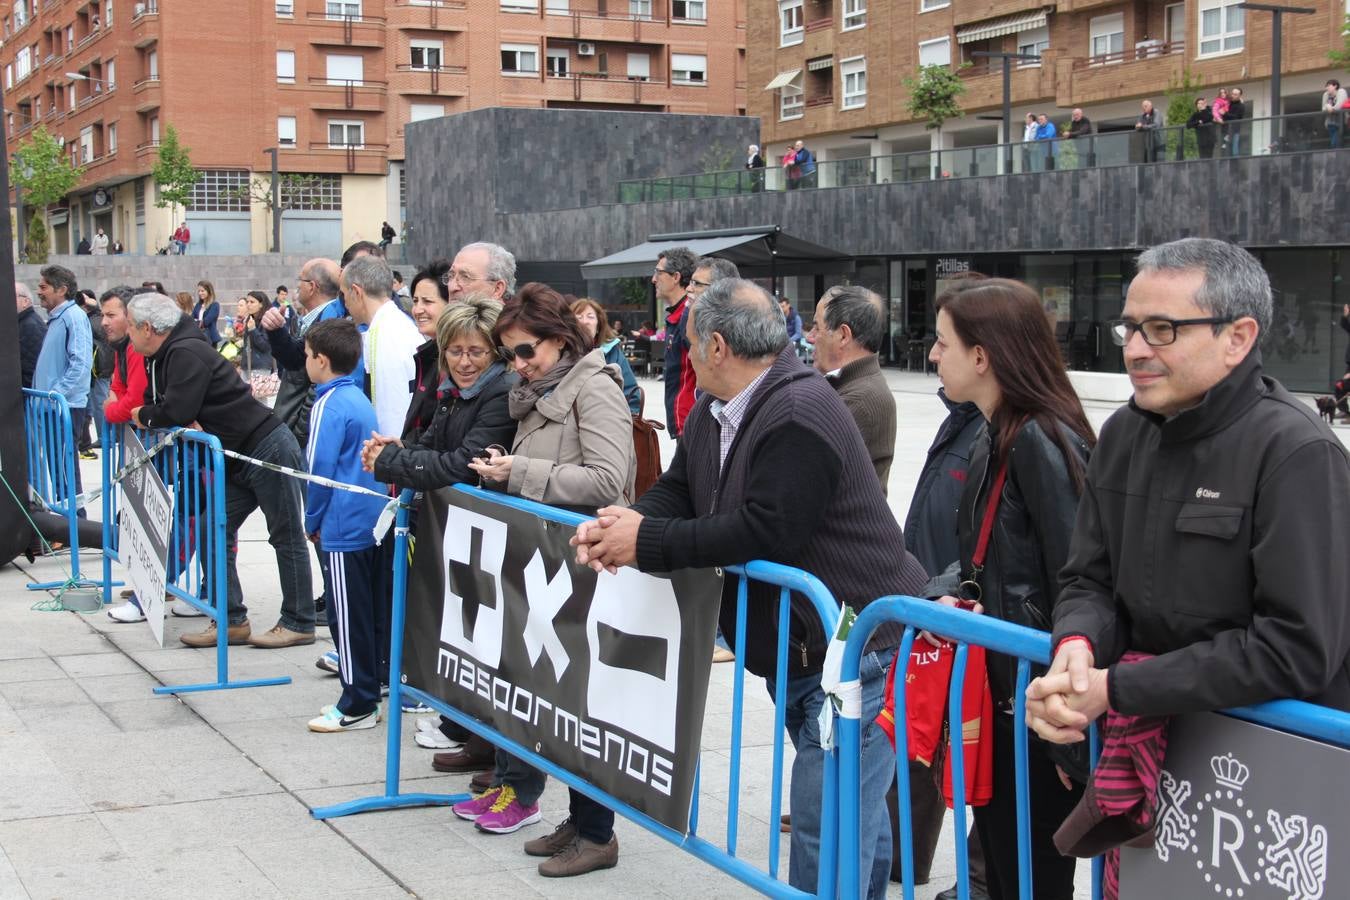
[
  {"x": 1107, "y": 76},
  {"x": 362, "y": 159},
  {"x": 345, "y": 31},
  {"x": 619, "y": 24},
  {"x": 145, "y": 23},
  {"x": 147, "y": 93},
  {"x": 446, "y": 81},
  {"x": 147, "y": 148},
  {"x": 358, "y": 96},
  {"x": 428, "y": 15},
  {"x": 969, "y": 13}
]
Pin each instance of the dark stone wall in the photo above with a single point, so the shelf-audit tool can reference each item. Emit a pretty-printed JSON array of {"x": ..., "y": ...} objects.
[{"x": 523, "y": 166}]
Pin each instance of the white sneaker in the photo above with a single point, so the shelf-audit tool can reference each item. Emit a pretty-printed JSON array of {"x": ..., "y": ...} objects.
[
  {"x": 435, "y": 740},
  {"x": 184, "y": 610},
  {"x": 127, "y": 612},
  {"x": 429, "y": 724},
  {"x": 328, "y": 663},
  {"x": 333, "y": 720}
]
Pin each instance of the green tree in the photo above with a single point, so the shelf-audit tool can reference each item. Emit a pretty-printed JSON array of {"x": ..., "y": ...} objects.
[
  {"x": 174, "y": 174},
  {"x": 43, "y": 169},
  {"x": 1341, "y": 57},
  {"x": 1181, "y": 93},
  {"x": 293, "y": 191},
  {"x": 933, "y": 95}
]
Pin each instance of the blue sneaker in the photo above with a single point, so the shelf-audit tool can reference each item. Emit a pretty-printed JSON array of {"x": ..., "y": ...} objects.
[
  {"x": 328, "y": 662},
  {"x": 415, "y": 707}
]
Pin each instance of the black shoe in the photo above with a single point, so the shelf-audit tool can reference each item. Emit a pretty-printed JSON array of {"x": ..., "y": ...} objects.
[
  {"x": 950, "y": 894},
  {"x": 321, "y": 611}
]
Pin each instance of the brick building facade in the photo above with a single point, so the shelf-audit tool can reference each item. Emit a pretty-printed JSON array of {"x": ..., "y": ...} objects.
[{"x": 331, "y": 83}]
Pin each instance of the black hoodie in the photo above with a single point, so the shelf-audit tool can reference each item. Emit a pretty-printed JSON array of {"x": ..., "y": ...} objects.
[{"x": 188, "y": 381}]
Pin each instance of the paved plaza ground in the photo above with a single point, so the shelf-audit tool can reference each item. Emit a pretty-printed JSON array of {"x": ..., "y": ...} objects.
[{"x": 108, "y": 791}]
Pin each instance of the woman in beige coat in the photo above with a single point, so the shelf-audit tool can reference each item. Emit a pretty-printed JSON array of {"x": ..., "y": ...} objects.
[{"x": 573, "y": 448}]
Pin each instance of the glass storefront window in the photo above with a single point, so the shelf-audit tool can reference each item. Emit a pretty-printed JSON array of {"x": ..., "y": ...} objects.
[{"x": 1304, "y": 347}]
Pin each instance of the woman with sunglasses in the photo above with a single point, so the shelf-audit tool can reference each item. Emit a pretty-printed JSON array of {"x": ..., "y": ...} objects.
[
  {"x": 995, "y": 348},
  {"x": 591, "y": 316},
  {"x": 573, "y": 448}
]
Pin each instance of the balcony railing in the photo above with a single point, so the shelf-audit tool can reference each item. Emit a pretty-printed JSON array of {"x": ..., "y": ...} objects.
[
  {"x": 1298, "y": 133},
  {"x": 1146, "y": 50},
  {"x": 820, "y": 24},
  {"x": 143, "y": 8},
  {"x": 822, "y": 100}
]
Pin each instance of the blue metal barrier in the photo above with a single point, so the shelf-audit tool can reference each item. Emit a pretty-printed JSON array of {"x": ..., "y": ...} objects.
[
  {"x": 723, "y": 858},
  {"x": 1029, "y": 646},
  {"x": 52, "y": 459},
  {"x": 193, "y": 469}
]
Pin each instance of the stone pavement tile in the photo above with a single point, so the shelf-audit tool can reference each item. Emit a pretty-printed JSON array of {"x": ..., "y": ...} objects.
[
  {"x": 185, "y": 747},
  {"x": 57, "y": 691},
  {"x": 31, "y": 786},
  {"x": 268, "y": 817},
  {"x": 483, "y": 886},
  {"x": 243, "y": 660},
  {"x": 10, "y": 723},
  {"x": 10, "y": 885},
  {"x": 73, "y": 723},
  {"x": 331, "y": 866},
  {"x": 388, "y": 892},
  {"x": 66, "y": 879},
  {"x": 357, "y": 826},
  {"x": 133, "y": 785},
  {"x": 149, "y": 714},
  {"x": 111, "y": 688},
  {"x": 32, "y": 669},
  {"x": 45, "y": 842},
  {"x": 302, "y": 697},
  {"x": 636, "y": 876},
  {"x": 66, "y": 641},
  {"x": 756, "y": 729},
  {"x": 430, "y": 859},
  {"x": 87, "y": 664},
  {"x": 301, "y": 759},
  {"x": 216, "y": 873}
]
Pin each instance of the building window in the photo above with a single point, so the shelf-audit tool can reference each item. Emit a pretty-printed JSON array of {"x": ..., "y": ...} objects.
[
  {"x": 315, "y": 191},
  {"x": 420, "y": 112},
  {"x": 344, "y": 69},
  {"x": 152, "y": 65},
  {"x": 342, "y": 9},
  {"x": 1033, "y": 42},
  {"x": 688, "y": 68},
  {"x": 639, "y": 67},
  {"x": 519, "y": 5},
  {"x": 220, "y": 190},
  {"x": 70, "y": 38},
  {"x": 346, "y": 133},
  {"x": 286, "y": 8},
  {"x": 697, "y": 10},
  {"x": 23, "y": 64},
  {"x": 855, "y": 14},
  {"x": 520, "y": 59},
  {"x": 930, "y": 5},
  {"x": 1221, "y": 27},
  {"x": 425, "y": 54},
  {"x": 110, "y": 138},
  {"x": 792, "y": 99},
  {"x": 9, "y": 76},
  {"x": 853, "y": 75},
  {"x": 86, "y": 143},
  {"x": 1108, "y": 37},
  {"x": 108, "y": 12},
  {"x": 557, "y": 63},
  {"x": 937, "y": 52},
  {"x": 154, "y": 130},
  {"x": 790, "y": 22},
  {"x": 640, "y": 9},
  {"x": 286, "y": 66},
  {"x": 286, "y": 131},
  {"x": 110, "y": 73}
]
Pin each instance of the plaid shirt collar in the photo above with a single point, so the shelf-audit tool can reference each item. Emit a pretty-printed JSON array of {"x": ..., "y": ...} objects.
[{"x": 730, "y": 414}]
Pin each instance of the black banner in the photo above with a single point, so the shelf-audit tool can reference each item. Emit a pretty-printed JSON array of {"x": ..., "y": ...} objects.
[{"x": 604, "y": 675}]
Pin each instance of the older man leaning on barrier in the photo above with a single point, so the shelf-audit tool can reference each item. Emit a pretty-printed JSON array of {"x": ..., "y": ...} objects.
[
  {"x": 771, "y": 467},
  {"x": 1206, "y": 532},
  {"x": 191, "y": 385}
]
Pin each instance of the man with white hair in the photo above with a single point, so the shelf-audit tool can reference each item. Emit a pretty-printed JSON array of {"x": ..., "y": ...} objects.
[
  {"x": 32, "y": 331},
  {"x": 481, "y": 269},
  {"x": 389, "y": 342},
  {"x": 189, "y": 382},
  {"x": 755, "y": 163}
]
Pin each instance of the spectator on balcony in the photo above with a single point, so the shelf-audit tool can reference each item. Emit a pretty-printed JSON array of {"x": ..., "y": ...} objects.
[
  {"x": 1149, "y": 125},
  {"x": 1045, "y": 131},
  {"x": 1029, "y": 160},
  {"x": 100, "y": 245},
  {"x": 806, "y": 160},
  {"x": 1237, "y": 111},
  {"x": 1079, "y": 124},
  {"x": 1333, "y": 101},
  {"x": 755, "y": 164},
  {"x": 1202, "y": 122},
  {"x": 791, "y": 170},
  {"x": 82, "y": 248}
]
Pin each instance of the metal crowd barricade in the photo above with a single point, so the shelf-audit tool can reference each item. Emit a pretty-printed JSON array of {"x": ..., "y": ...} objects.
[
  {"x": 193, "y": 468},
  {"x": 52, "y": 459},
  {"x": 722, "y": 855}
]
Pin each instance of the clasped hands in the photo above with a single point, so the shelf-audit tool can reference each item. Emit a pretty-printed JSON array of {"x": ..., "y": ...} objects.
[
  {"x": 371, "y": 449},
  {"x": 1063, "y": 702},
  {"x": 609, "y": 541}
]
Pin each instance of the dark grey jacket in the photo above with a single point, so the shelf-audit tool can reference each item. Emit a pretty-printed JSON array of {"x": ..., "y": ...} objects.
[
  {"x": 930, "y": 527},
  {"x": 32, "y": 330}
]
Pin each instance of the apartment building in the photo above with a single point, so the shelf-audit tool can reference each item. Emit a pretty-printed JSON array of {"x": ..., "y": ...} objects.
[
  {"x": 329, "y": 86},
  {"x": 832, "y": 71}
]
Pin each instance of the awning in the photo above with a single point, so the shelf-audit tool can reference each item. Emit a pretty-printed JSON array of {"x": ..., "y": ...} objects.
[
  {"x": 782, "y": 79},
  {"x": 999, "y": 27},
  {"x": 756, "y": 251},
  {"x": 820, "y": 62}
]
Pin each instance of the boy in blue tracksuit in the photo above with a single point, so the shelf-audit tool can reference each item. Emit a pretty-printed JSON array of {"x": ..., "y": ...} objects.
[{"x": 342, "y": 523}]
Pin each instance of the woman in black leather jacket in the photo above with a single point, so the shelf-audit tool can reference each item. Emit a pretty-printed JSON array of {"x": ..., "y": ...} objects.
[{"x": 995, "y": 348}]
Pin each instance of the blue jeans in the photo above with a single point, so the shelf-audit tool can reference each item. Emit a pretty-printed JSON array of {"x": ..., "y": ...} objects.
[
  {"x": 249, "y": 487},
  {"x": 1334, "y": 132},
  {"x": 98, "y": 393},
  {"x": 804, "y": 699}
]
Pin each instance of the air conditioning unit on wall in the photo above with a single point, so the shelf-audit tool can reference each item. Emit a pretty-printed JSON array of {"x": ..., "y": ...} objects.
[{"x": 585, "y": 48}]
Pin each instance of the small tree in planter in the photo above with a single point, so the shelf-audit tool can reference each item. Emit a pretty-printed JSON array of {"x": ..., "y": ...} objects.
[
  {"x": 1181, "y": 94},
  {"x": 44, "y": 171},
  {"x": 174, "y": 174},
  {"x": 933, "y": 95},
  {"x": 1342, "y": 57}
]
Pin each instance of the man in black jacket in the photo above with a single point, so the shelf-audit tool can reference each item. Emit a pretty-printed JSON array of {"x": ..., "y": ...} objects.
[
  {"x": 32, "y": 331},
  {"x": 772, "y": 467},
  {"x": 1205, "y": 531},
  {"x": 189, "y": 382}
]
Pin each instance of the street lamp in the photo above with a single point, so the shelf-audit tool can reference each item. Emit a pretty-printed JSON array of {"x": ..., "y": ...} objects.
[
  {"x": 1276, "y": 33},
  {"x": 276, "y": 200},
  {"x": 1007, "y": 97}
]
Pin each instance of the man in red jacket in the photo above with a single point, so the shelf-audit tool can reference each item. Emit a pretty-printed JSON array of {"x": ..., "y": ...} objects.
[{"x": 128, "y": 378}]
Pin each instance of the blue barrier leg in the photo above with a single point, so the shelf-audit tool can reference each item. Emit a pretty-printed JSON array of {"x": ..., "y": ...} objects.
[
  {"x": 1022, "y": 780},
  {"x": 1098, "y": 862},
  {"x": 956, "y": 731},
  {"x": 779, "y": 721},
  {"x": 738, "y": 705},
  {"x": 106, "y": 438},
  {"x": 902, "y": 790}
]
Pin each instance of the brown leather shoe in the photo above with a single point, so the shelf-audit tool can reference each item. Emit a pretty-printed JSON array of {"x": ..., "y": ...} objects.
[
  {"x": 281, "y": 636},
  {"x": 581, "y": 856},
  {"x": 481, "y": 782},
  {"x": 555, "y": 843},
  {"x": 475, "y": 756},
  {"x": 785, "y": 823},
  {"x": 236, "y": 634}
]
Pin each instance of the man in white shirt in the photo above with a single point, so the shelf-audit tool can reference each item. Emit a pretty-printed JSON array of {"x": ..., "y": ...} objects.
[{"x": 389, "y": 342}]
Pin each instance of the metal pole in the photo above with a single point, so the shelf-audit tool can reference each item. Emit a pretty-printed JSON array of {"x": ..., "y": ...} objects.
[
  {"x": 1007, "y": 115},
  {"x": 276, "y": 201},
  {"x": 1275, "y": 34},
  {"x": 18, "y": 217}
]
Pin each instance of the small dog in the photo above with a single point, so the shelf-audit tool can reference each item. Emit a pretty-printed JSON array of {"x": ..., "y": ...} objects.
[{"x": 1326, "y": 408}]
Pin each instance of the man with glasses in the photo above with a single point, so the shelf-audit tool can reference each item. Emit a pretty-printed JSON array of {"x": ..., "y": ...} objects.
[
  {"x": 1204, "y": 533},
  {"x": 674, "y": 270},
  {"x": 481, "y": 270},
  {"x": 316, "y": 295}
]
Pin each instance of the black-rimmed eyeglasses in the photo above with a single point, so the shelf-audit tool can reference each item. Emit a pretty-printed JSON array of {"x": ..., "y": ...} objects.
[{"x": 1157, "y": 332}]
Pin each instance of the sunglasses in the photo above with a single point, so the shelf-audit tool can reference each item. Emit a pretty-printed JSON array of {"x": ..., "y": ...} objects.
[{"x": 524, "y": 351}]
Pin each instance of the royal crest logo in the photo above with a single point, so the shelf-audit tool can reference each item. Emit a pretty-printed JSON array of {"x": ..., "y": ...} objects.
[{"x": 1229, "y": 772}]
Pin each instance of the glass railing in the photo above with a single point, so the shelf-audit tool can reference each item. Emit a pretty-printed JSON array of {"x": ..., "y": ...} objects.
[{"x": 1296, "y": 133}]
